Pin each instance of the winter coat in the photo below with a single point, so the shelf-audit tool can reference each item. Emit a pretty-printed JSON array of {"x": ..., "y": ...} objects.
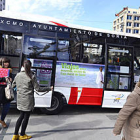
[
  {"x": 129, "y": 117},
  {"x": 25, "y": 90}
]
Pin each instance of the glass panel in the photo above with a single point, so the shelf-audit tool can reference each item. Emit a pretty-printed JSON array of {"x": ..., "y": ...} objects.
[
  {"x": 115, "y": 81},
  {"x": 120, "y": 56},
  {"x": 11, "y": 45},
  {"x": 39, "y": 46},
  {"x": 118, "y": 69},
  {"x": 75, "y": 52},
  {"x": 112, "y": 81},
  {"x": 68, "y": 50},
  {"x": 41, "y": 63},
  {"x": 63, "y": 50},
  {"x": 93, "y": 53},
  {"x": 44, "y": 77},
  {"x": 124, "y": 82}
]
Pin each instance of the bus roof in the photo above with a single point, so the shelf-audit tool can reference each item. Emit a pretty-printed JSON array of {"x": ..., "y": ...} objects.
[{"x": 54, "y": 21}]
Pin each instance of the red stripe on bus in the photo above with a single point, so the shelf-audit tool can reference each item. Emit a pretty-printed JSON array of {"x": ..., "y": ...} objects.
[
  {"x": 59, "y": 24},
  {"x": 73, "y": 95},
  {"x": 89, "y": 96}
]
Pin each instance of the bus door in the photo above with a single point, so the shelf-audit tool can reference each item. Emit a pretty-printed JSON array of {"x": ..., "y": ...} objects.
[
  {"x": 118, "y": 81},
  {"x": 41, "y": 51},
  {"x": 43, "y": 68}
]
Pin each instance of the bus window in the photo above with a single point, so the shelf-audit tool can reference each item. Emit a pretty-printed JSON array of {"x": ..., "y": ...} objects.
[
  {"x": 63, "y": 53},
  {"x": 68, "y": 51},
  {"x": 11, "y": 44},
  {"x": 93, "y": 53},
  {"x": 35, "y": 46}
]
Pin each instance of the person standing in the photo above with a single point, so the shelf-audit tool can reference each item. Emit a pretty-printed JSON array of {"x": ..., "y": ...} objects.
[
  {"x": 99, "y": 79},
  {"x": 25, "y": 98},
  {"x": 129, "y": 117},
  {"x": 5, "y": 63}
]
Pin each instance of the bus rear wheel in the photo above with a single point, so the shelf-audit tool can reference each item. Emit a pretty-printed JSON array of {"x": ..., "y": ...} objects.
[{"x": 56, "y": 105}]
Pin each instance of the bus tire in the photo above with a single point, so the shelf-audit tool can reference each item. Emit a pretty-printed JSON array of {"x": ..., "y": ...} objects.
[{"x": 56, "y": 105}]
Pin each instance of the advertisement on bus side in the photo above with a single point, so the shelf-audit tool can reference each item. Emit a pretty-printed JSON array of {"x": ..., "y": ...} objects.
[{"x": 72, "y": 74}]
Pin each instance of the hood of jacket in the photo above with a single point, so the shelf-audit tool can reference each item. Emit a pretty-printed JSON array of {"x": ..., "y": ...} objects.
[{"x": 137, "y": 88}]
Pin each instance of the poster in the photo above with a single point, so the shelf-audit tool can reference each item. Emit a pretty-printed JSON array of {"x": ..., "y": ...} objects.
[
  {"x": 72, "y": 74},
  {"x": 4, "y": 73}
]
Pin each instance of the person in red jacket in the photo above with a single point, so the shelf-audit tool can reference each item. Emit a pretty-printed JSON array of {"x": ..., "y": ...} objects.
[{"x": 5, "y": 63}]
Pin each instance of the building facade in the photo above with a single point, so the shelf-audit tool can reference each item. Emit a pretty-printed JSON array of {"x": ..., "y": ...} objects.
[
  {"x": 2, "y": 5},
  {"x": 128, "y": 21}
]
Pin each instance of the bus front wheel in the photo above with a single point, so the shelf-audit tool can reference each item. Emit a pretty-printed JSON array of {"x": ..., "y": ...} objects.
[{"x": 56, "y": 105}]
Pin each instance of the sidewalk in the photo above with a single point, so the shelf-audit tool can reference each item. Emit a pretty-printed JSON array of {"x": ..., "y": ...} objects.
[{"x": 85, "y": 126}]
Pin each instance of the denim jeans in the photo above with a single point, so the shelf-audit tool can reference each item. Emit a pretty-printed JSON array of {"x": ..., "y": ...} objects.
[{"x": 5, "y": 110}]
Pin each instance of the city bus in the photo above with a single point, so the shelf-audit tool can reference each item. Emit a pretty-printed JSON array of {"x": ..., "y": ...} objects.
[{"x": 69, "y": 57}]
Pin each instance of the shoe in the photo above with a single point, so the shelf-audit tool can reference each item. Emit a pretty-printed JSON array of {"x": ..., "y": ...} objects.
[
  {"x": 3, "y": 124},
  {"x": 24, "y": 137},
  {"x": 15, "y": 137}
]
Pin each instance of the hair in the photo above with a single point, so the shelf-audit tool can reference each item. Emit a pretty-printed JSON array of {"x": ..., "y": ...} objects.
[
  {"x": 5, "y": 60},
  {"x": 27, "y": 66}
]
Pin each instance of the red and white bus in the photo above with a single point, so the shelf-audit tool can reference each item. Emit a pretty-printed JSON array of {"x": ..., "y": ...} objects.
[{"x": 69, "y": 57}]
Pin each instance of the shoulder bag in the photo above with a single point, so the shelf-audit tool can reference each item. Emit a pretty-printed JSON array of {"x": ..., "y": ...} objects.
[{"x": 9, "y": 94}]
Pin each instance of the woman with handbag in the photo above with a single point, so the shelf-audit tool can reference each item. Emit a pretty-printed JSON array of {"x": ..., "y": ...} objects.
[
  {"x": 25, "y": 83},
  {"x": 5, "y": 63},
  {"x": 129, "y": 117}
]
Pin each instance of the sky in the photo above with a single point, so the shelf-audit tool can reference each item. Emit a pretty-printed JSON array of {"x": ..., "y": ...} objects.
[{"x": 92, "y": 13}]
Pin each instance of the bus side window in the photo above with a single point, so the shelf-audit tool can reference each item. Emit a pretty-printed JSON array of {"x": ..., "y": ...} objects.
[{"x": 93, "y": 53}]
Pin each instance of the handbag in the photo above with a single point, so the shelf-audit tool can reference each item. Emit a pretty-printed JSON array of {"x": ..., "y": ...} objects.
[{"x": 9, "y": 94}]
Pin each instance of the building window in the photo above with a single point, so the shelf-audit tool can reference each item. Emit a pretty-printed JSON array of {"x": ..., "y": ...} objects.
[
  {"x": 136, "y": 18},
  {"x": 134, "y": 12},
  {"x": 128, "y": 30},
  {"x": 122, "y": 18},
  {"x": 121, "y": 30},
  {"x": 114, "y": 22},
  {"x": 118, "y": 20},
  {"x": 128, "y": 11},
  {"x": 129, "y": 17},
  {"x": 114, "y": 28},
  {"x": 136, "y": 24},
  {"x": 135, "y": 31},
  {"x": 128, "y": 23}
]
